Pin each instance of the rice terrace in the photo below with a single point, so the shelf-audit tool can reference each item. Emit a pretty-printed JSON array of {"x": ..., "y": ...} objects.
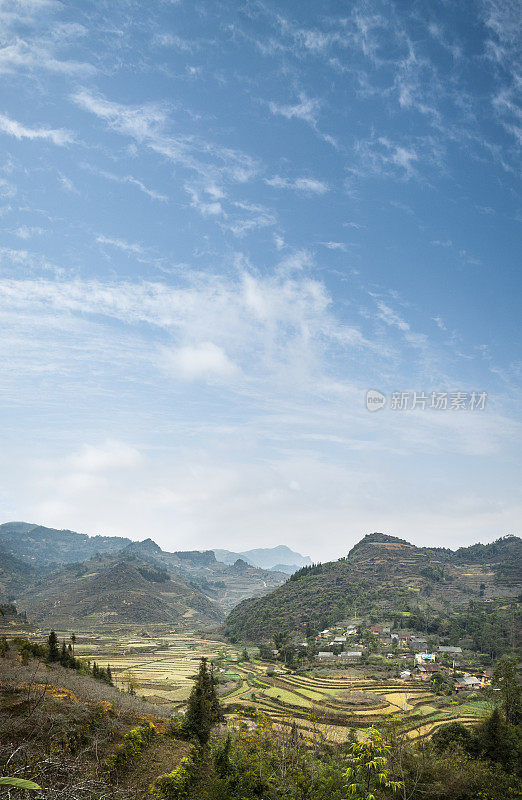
[{"x": 320, "y": 701}]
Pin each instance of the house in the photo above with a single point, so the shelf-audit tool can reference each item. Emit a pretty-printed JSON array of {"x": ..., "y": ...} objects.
[
  {"x": 340, "y": 639},
  {"x": 485, "y": 677},
  {"x": 466, "y": 681},
  {"x": 421, "y": 658},
  {"x": 417, "y": 643},
  {"x": 452, "y": 651},
  {"x": 405, "y": 674},
  {"x": 421, "y": 673},
  {"x": 376, "y": 629},
  {"x": 325, "y": 655},
  {"x": 350, "y": 655}
]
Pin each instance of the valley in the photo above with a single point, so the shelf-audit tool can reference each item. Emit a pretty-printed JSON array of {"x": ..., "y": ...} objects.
[{"x": 321, "y": 702}]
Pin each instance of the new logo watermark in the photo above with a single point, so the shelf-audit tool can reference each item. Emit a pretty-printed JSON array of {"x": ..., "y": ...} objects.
[
  {"x": 436, "y": 401},
  {"x": 375, "y": 400}
]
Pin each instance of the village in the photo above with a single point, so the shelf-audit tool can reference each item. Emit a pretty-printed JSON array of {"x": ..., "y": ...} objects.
[{"x": 409, "y": 655}]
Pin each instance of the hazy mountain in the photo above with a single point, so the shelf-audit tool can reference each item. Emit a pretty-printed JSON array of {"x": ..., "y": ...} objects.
[
  {"x": 381, "y": 574},
  {"x": 267, "y": 557},
  {"x": 42, "y": 546},
  {"x": 34, "y": 557}
]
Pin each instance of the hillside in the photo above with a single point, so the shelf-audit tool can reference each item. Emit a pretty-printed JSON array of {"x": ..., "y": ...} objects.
[
  {"x": 36, "y": 561},
  {"x": 115, "y": 589},
  {"x": 225, "y": 584},
  {"x": 381, "y": 574},
  {"x": 15, "y": 574},
  {"x": 36, "y": 544}
]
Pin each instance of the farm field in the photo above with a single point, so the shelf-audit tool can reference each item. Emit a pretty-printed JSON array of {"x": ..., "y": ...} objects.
[{"x": 320, "y": 704}]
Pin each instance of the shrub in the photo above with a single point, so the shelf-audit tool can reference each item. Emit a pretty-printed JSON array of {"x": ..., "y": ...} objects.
[
  {"x": 133, "y": 742},
  {"x": 175, "y": 785}
]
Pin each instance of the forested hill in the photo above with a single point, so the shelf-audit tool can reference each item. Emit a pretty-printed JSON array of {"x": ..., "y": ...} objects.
[
  {"x": 41, "y": 546},
  {"x": 381, "y": 574}
]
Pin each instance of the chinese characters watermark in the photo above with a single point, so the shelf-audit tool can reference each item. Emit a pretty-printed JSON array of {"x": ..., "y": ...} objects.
[{"x": 436, "y": 401}]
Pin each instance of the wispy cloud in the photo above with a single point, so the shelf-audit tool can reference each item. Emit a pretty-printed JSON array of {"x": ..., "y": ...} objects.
[
  {"x": 11, "y": 127},
  {"x": 304, "y": 185},
  {"x": 127, "y": 179},
  {"x": 22, "y": 54},
  {"x": 121, "y": 244},
  {"x": 147, "y": 125},
  {"x": 306, "y": 109}
]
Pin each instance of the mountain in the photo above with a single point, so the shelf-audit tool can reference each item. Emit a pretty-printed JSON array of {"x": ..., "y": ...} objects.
[
  {"x": 225, "y": 584},
  {"x": 381, "y": 574},
  {"x": 14, "y": 575},
  {"x": 115, "y": 588},
  {"x": 42, "y": 546},
  {"x": 280, "y": 557},
  {"x": 34, "y": 557}
]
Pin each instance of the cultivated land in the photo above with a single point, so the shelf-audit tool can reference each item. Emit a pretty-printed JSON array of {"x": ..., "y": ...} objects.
[{"x": 321, "y": 702}]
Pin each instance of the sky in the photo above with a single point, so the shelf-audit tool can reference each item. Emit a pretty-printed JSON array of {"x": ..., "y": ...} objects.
[{"x": 221, "y": 224}]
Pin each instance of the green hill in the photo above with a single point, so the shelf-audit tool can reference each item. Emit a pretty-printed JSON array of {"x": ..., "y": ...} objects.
[{"x": 385, "y": 575}]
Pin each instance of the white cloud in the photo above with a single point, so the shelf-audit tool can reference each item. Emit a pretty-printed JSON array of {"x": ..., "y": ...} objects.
[
  {"x": 13, "y": 128},
  {"x": 204, "y": 360},
  {"x": 335, "y": 245},
  {"x": 111, "y": 455},
  {"x": 27, "y": 232},
  {"x": 67, "y": 184},
  {"x": 127, "y": 179},
  {"x": 304, "y": 185},
  {"x": 121, "y": 244},
  {"x": 36, "y": 56},
  {"x": 306, "y": 109},
  {"x": 147, "y": 125}
]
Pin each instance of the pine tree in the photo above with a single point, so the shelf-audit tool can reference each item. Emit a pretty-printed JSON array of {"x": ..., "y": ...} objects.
[
  {"x": 53, "y": 653},
  {"x": 64, "y": 659},
  {"x": 109, "y": 676},
  {"x": 203, "y": 709}
]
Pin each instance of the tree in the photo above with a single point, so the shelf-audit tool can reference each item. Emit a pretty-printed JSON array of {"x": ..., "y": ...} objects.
[
  {"x": 53, "y": 653},
  {"x": 130, "y": 682},
  {"x": 203, "y": 709},
  {"x": 497, "y": 741},
  {"x": 506, "y": 680},
  {"x": 73, "y": 640},
  {"x": 368, "y": 771}
]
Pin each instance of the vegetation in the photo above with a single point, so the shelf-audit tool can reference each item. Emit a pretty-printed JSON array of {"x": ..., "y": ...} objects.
[
  {"x": 203, "y": 708},
  {"x": 429, "y": 589}
]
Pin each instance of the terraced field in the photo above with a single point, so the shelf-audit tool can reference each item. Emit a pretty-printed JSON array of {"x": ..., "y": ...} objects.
[
  {"x": 332, "y": 706},
  {"x": 163, "y": 665},
  {"x": 324, "y": 706}
]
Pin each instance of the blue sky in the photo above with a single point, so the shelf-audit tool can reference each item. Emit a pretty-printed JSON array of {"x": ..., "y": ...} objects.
[{"x": 221, "y": 224}]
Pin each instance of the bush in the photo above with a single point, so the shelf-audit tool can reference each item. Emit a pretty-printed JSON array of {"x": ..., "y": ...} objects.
[
  {"x": 133, "y": 742},
  {"x": 174, "y": 728},
  {"x": 175, "y": 785}
]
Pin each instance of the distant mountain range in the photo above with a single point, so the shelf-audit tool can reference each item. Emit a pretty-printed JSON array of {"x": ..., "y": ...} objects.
[
  {"x": 279, "y": 558},
  {"x": 380, "y": 575},
  {"x": 60, "y": 577}
]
